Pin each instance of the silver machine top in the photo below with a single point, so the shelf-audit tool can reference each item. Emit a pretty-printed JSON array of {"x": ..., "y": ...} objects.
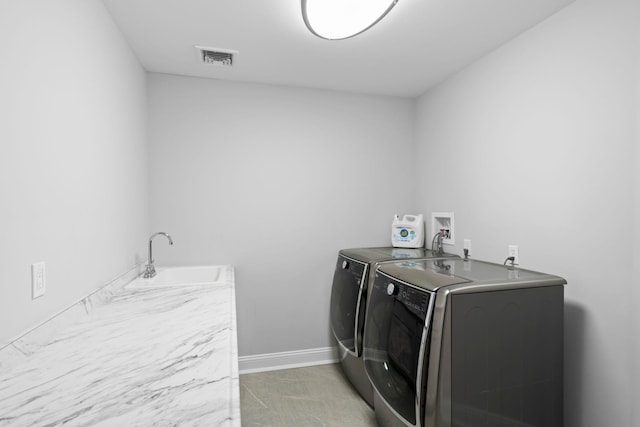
[{"x": 462, "y": 276}]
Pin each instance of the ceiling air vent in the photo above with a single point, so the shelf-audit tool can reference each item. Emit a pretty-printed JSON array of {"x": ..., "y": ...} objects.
[{"x": 215, "y": 56}]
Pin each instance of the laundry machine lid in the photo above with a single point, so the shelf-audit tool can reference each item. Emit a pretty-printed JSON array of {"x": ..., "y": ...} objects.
[
  {"x": 422, "y": 274},
  {"x": 466, "y": 275}
]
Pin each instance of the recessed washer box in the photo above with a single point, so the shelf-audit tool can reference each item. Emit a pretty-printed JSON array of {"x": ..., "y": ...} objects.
[{"x": 443, "y": 221}]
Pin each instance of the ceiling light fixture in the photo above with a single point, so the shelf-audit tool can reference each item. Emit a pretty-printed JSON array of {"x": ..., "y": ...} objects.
[{"x": 341, "y": 19}]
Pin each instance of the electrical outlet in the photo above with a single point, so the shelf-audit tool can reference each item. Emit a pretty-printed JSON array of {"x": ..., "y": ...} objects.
[
  {"x": 513, "y": 252},
  {"x": 38, "y": 280}
]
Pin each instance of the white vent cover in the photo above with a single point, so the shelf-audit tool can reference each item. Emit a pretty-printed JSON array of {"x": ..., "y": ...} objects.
[{"x": 216, "y": 56}]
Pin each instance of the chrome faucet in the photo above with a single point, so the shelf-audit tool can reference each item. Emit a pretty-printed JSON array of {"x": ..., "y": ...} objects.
[
  {"x": 151, "y": 270},
  {"x": 436, "y": 243}
]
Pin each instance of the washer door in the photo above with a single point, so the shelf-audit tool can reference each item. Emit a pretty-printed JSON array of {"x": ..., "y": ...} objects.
[
  {"x": 396, "y": 333},
  {"x": 347, "y": 301}
]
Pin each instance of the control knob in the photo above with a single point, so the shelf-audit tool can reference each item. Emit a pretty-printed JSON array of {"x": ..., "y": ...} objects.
[{"x": 392, "y": 289}]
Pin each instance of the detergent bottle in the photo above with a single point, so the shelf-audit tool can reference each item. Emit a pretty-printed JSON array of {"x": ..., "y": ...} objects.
[{"x": 408, "y": 231}]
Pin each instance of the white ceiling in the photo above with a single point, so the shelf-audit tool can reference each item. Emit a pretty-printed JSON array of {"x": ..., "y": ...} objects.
[{"x": 417, "y": 45}]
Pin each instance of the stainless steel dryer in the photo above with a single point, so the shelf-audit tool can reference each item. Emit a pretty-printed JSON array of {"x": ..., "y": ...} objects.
[
  {"x": 451, "y": 343},
  {"x": 353, "y": 274}
]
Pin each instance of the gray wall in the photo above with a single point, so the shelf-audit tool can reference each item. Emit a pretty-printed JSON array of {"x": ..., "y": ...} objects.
[
  {"x": 274, "y": 181},
  {"x": 535, "y": 145},
  {"x": 73, "y": 182},
  {"x": 635, "y": 316}
]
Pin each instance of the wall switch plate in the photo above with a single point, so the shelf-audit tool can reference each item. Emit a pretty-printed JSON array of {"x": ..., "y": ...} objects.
[
  {"x": 513, "y": 252},
  {"x": 38, "y": 280}
]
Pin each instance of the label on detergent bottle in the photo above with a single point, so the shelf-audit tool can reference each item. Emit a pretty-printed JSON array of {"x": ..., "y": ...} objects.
[{"x": 402, "y": 234}]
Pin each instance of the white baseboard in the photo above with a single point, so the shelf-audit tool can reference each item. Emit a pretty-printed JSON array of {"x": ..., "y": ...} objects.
[{"x": 287, "y": 360}]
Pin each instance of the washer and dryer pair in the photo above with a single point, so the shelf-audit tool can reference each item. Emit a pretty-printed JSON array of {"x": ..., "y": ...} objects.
[
  {"x": 452, "y": 342},
  {"x": 353, "y": 276}
]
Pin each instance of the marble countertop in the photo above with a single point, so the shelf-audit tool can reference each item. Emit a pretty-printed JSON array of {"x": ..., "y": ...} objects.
[{"x": 129, "y": 356}]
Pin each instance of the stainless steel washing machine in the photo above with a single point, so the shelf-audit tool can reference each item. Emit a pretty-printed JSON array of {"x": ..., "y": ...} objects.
[
  {"x": 451, "y": 343},
  {"x": 353, "y": 274}
]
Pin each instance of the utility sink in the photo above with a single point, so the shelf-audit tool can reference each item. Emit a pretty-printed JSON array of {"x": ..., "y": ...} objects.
[{"x": 186, "y": 276}]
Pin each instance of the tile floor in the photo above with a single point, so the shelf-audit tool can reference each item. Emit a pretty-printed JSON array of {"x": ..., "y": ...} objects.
[{"x": 302, "y": 397}]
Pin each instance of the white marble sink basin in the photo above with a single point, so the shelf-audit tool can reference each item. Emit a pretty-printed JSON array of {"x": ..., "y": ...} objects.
[{"x": 186, "y": 276}]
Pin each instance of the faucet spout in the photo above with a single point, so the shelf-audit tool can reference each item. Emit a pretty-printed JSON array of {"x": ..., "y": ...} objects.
[
  {"x": 150, "y": 271},
  {"x": 161, "y": 233}
]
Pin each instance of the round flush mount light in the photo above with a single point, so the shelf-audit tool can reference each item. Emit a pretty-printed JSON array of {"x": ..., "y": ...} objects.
[{"x": 341, "y": 19}]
